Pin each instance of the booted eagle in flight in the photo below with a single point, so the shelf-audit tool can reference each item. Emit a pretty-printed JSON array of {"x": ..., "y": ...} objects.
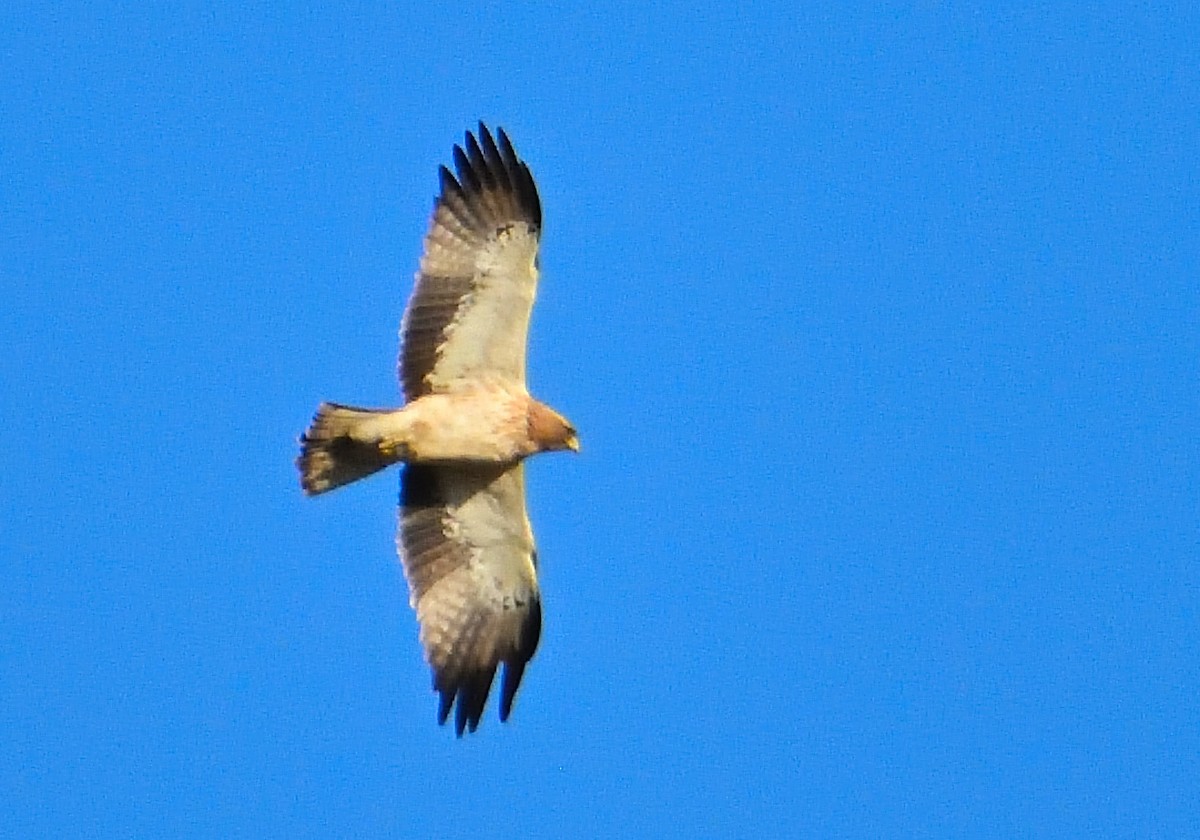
[{"x": 467, "y": 424}]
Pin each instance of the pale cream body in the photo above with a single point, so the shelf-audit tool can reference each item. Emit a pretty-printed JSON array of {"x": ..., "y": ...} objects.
[{"x": 478, "y": 422}]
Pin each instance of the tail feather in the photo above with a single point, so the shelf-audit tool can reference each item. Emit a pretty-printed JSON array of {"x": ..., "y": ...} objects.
[{"x": 334, "y": 451}]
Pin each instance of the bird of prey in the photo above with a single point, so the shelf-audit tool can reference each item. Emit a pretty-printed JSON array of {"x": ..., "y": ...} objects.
[{"x": 467, "y": 424}]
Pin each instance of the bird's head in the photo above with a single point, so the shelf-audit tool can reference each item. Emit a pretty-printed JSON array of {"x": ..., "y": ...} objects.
[{"x": 549, "y": 431}]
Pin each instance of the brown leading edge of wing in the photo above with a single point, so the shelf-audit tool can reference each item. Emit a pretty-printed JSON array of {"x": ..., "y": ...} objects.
[
  {"x": 470, "y": 563},
  {"x": 469, "y": 311}
]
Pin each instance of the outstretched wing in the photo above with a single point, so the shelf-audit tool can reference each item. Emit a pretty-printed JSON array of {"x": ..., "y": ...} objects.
[
  {"x": 469, "y": 311},
  {"x": 469, "y": 558}
]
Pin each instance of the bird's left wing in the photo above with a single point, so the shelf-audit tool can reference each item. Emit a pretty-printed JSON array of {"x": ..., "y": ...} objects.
[
  {"x": 470, "y": 562},
  {"x": 468, "y": 315}
]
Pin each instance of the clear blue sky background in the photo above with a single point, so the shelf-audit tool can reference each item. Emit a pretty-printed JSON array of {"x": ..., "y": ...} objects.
[{"x": 881, "y": 326}]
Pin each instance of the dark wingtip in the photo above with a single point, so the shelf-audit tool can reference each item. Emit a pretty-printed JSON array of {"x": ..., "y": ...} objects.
[
  {"x": 465, "y": 693},
  {"x": 447, "y": 183},
  {"x": 450, "y": 697},
  {"x": 467, "y": 176},
  {"x": 491, "y": 161},
  {"x": 445, "y": 701},
  {"x": 514, "y": 668},
  {"x": 509, "y": 683},
  {"x": 480, "y": 164}
]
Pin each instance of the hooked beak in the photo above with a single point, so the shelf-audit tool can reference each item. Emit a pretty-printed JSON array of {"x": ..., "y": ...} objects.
[{"x": 573, "y": 443}]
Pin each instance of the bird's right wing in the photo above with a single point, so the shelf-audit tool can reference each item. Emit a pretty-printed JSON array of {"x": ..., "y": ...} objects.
[{"x": 469, "y": 558}]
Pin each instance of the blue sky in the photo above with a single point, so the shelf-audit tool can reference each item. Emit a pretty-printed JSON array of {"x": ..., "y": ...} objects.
[{"x": 881, "y": 328}]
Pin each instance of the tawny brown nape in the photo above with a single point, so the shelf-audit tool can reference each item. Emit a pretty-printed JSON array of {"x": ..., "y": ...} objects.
[{"x": 549, "y": 430}]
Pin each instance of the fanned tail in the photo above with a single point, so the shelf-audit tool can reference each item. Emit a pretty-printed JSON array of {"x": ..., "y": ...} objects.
[{"x": 338, "y": 448}]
